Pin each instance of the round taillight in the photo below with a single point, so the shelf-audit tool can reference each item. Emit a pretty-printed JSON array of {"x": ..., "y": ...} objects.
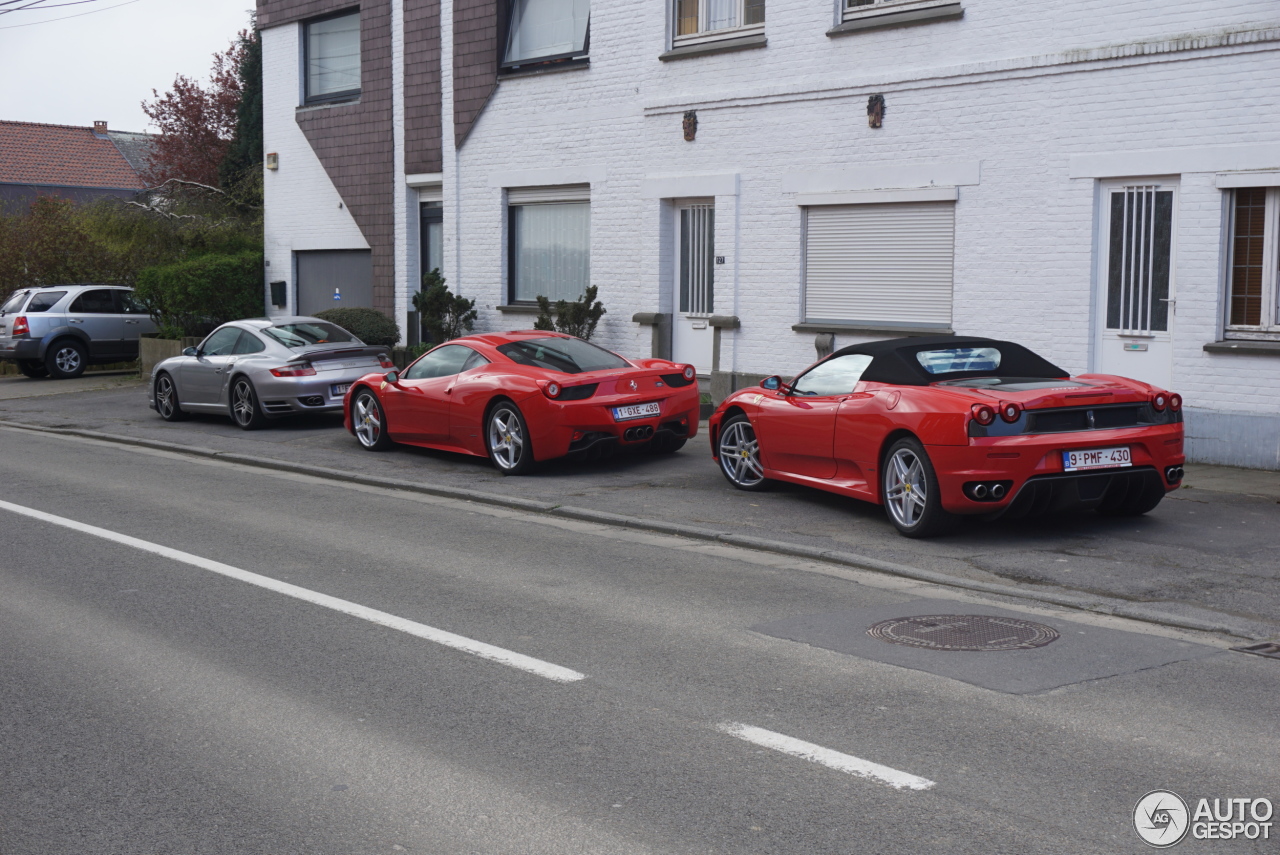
[
  {"x": 983, "y": 414},
  {"x": 1159, "y": 400},
  {"x": 1010, "y": 412},
  {"x": 552, "y": 389},
  {"x": 1175, "y": 402},
  {"x": 690, "y": 372}
]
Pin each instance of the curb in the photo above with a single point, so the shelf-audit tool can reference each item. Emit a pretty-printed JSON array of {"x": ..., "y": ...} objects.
[{"x": 1097, "y": 604}]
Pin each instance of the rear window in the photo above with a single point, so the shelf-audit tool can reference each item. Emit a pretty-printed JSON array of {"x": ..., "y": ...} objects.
[
  {"x": 566, "y": 355},
  {"x": 14, "y": 302},
  {"x": 43, "y": 301},
  {"x": 957, "y": 359},
  {"x": 302, "y": 335}
]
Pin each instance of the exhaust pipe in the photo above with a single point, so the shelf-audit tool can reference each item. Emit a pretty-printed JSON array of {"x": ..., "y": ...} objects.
[
  {"x": 980, "y": 491},
  {"x": 997, "y": 492}
]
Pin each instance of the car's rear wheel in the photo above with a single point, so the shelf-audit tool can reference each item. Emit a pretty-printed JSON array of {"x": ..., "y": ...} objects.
[
  {"x": 507, "y": 438},
  {"x": 1136, "y": 502},
  {"x": 912, "y": 500},
  {"x": 66, "y": 359},
  {"x": 167, "y": 403},
  {"x": 370, "y": 422},
  {"x": 33, "y": 368},
  {"x": 739, "y": 453},
  {"x": 245, "y": 409}
]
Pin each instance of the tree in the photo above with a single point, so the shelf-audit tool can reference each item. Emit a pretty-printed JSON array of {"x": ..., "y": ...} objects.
[
  {"x": 197, "y": 125},
  {"x": 578, "y": 317},
  {"x": 443, "y": 315},
  {"x": 243, "y": 161}
]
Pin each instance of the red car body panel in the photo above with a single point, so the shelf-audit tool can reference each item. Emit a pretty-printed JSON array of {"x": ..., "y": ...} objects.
[
  {"x": 836, "y": 443},
  {"x": 448, "y": 413}
]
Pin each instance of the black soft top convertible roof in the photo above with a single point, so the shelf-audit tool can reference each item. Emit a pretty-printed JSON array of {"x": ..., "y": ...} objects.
[{"x": 894, "y": 361}]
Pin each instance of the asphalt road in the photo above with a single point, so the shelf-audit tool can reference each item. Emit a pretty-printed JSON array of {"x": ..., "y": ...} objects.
[
  {"x": 170, "y": 693},
  {"x": 1204, "y": 555}
]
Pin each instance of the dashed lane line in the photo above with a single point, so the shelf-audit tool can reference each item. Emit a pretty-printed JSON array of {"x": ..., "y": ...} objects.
[
  {"x": 825, "y": 756},
  {"x": 420, "y": 630}
]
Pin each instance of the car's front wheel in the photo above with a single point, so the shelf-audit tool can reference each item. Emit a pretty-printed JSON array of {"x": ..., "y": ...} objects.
[
  {"x": 33, "y": 368},
  {"x": 369, "y": 422},
  {"x": 245, "y": 409},
  {"x": 507, "y": 438},
  {"x": 910, "y": 491},
  {"x": 66, "y": 359},
  {"x": 739, "y": 453},
  {"x": 167, "y": 404}
]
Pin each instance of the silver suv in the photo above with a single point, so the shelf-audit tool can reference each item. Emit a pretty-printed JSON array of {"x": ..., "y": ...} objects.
[{"x": 59, "y": 330}]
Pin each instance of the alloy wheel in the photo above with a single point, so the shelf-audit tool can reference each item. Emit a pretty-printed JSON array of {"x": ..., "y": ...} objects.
[
  {"x": 367, "y": 420},
  {"x": 506, "y": 438},
  {"x": 906, "y": 490},
  {"x": 242, "y": 403},
  {"x": 67, "y": 359},
  {"x": 164, "y": 396},
  {"x": 740, "y": 454}
]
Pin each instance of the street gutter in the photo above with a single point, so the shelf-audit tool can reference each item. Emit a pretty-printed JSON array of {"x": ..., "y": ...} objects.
[{"x": 1090, "y": 603}]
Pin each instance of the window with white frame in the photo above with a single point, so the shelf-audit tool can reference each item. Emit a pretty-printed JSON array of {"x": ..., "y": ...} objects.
[
  {"x": 1253, "y": 263},
  {"x": 853, "y": 9},
  {"x": 331, "y": 57},
  {"x": 546, "y": 30},
  {"x": 887, "y": 264},
  {"x": 707, "y": 20},
  {"x": 549, "y": 245}
]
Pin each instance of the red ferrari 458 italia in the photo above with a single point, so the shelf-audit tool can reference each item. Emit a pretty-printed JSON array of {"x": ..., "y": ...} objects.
[
  {"x": 521, "y": 397},
  {"x": 935, "y": 428}
]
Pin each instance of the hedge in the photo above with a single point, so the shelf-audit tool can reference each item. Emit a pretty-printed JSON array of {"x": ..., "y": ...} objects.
[
  {"x": 192, "y": 297},
  {"x": 368, "y": 325}
]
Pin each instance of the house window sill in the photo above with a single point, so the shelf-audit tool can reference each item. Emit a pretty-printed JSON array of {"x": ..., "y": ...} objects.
[
  {"x": 855, "y": 328},
  {"x": 1244, "y": 346},
  {"x": 536, "y": 69},
  {"x": 322, "y": 103},
  {"x": 722, "y": 46},
  {"x": 518, "y": 309},
  {"x": 882, "y": 18}
]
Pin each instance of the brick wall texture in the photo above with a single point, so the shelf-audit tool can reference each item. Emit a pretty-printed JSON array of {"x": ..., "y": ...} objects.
[
  {"x": 422, "y": 95},
  {"x": 475, "y": 61}
]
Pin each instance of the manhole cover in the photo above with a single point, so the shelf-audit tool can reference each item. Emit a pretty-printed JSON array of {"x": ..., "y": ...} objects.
[{"x": 964, "y": 632}]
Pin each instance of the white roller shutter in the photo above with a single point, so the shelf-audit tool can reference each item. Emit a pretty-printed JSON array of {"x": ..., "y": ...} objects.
[
  {"x": 889, "y": 263},
  {"x": 557, "y": 193}
]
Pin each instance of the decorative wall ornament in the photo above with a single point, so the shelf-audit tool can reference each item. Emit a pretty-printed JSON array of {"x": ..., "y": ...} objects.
[
  {"x": 690, "y": 125},
  {"x": 875, "y": 110}
]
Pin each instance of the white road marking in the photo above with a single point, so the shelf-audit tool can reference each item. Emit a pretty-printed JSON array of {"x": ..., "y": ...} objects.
[
  {"x": 420, "y": 630},
  {"x": 833, "y": 759}
]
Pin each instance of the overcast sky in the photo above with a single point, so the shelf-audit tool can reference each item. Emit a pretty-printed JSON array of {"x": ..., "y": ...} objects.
[{"x": 73, "y": 70}]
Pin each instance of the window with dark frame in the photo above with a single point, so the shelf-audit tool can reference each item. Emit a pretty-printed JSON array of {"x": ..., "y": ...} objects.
[
  {"x": 1253, "y": 264},
  {"x": 550, "y": 250},
  {"x": 541, "y": 31},
  {"x": 331, "y": 58}
]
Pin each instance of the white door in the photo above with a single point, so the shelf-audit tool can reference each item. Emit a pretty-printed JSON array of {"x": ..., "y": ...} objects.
[
  {"x": 694, "y": 283},
  {"x": 1136, "y": 280}
]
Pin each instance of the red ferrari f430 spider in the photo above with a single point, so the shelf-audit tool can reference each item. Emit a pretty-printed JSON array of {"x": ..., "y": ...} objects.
[
  {"x": 936, "y": 428},
  {"x": 521, "y": 397}
]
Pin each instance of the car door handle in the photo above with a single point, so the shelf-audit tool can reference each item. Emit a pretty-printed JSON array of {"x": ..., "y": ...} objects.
[
  {"x": 449, "y": 390},
  {"x": 130, "y": 322},
  {"x": 74, "y": 321}
]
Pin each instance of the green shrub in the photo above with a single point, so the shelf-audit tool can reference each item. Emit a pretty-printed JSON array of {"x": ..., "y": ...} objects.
[
  {"x": 444, "y": 315},
  {"x": 368, "y": 325},
  {"x": 578, "y": 317},
  {"x": 197, "y": 295}
]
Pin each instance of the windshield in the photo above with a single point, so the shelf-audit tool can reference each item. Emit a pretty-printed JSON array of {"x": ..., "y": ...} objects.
[
  {"x": 566, "y": 355},
  {"x": 959, "y": 359},
  {"x": 302, "y": 335},
  {"x": 14, "y": 302}
]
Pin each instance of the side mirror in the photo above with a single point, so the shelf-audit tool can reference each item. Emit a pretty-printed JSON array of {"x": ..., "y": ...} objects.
[
  {"x": 391, "y": 376},
  {"x": 190, "y": 351},
  {"x": 773, "y": 383}
]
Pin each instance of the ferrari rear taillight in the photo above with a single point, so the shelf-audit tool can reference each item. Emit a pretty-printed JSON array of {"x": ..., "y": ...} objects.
[
  {"x": 385, "y": 361},
  {"x": 297, "y": 369},
  {"x": 1010, "y": 412},
  {"x": 1175, "y": 402},
  {"x": 1159, "y": 400},
  {"x": 983, "y": 414},
  {"x": 551, "y": 390},
  {"x": 690, "y": 372},
  {"x": 20, "y": 325}
]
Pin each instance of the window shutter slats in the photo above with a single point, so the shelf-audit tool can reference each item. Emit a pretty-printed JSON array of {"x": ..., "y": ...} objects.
[
  {"x": 885, "y": 263},
  {"x": 559, "y": 193}
]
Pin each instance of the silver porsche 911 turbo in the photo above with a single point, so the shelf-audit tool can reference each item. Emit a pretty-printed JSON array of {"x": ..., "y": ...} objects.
[{"x": 260, "y": 369}]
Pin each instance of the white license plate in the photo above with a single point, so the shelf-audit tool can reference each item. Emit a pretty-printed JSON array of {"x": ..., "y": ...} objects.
[
  {"x": 338, "y": 389},
  {"x": 1096, "y": 458},
  {"x": 636, "y": 411}
]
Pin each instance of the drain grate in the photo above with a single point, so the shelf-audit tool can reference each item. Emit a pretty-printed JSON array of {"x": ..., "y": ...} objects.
[
  {"x": 1270, "y": 649},
  {"x": 964, "y": 632}
]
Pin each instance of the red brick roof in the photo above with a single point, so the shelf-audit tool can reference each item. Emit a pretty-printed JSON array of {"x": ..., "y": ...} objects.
[{"x": 67, "y": 156}]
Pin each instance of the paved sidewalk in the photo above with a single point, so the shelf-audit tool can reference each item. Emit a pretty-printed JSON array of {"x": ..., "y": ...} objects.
[{"x": 1206, "y": 555}]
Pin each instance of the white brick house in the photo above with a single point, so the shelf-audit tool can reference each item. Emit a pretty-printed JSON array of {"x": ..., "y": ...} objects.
[{"x": 1100, "y": 182}]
